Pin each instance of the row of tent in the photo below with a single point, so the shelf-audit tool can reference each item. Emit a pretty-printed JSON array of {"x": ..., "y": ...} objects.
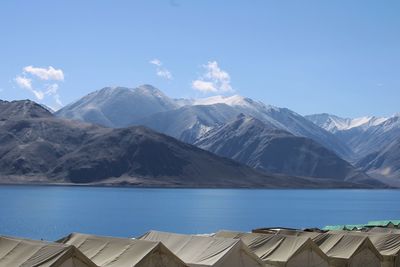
[
  {"x": 392, "y": 224},
  {"x": 262, "y": 247}
]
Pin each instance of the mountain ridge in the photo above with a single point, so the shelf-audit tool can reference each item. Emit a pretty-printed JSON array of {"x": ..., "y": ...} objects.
[{"x": 46, "y": 149}]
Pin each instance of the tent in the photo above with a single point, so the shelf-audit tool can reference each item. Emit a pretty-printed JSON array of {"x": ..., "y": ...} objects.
[
  {"x": 206, "y": 251},
  {"x": 290, "y": 232},
  {"x": 348, "y": 250},
  {"x": 334, "y": 227},
  {"x": 281, "y": 250},
  {"x": 123, "y": 252},
  {"x": 386, "y": 223},
  {"x": 388, "y": 246},
  {"x": 28, "y": 253},
  {"x": 384, "y": 230}
]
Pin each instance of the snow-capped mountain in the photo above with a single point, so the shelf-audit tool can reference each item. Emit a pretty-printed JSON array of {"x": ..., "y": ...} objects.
[
  {"x": 188, "y": 119},
  {"x": 334, "y": 123},
  {"x": 188, "y": 123},
  {"x": 118, "y": 106},
  {"x": 363, "y": 135},
  {"x": 281, "y": 118},
  {"x": 265, "y": 147}
]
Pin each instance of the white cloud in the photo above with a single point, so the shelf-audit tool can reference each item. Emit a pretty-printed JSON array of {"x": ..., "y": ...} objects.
[
  {"x": 49, "y": 73},
  {"x": 23, "y": 82},
  {"x": 164, "y": 73},
  {"x": 58, "y": 100},
  {"x": 33, "y": 79},
  {"x": 213, "y": 80},
  {"x": 156, "y": 62},
  {"x": 26, "y": 83},
  {"x": 160, "y": 70},
  {"x": 52, "y": 89},
  {"x": 204, "y": 86}
]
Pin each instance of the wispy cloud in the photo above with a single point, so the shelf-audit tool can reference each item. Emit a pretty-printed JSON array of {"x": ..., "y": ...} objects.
[
  {"x": 49, "y": 73},
  {"x": 23, "y": 82},
  {"x": 213, "y": 80},
  {"x": 161, "y": 71},
  {"x": 41, "y": 82}
]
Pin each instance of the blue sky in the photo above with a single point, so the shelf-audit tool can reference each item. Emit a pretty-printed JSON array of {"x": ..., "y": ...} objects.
[{"x": 340, "y": 57}]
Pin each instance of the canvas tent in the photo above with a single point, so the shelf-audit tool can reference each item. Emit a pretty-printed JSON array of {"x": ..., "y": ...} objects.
[
  {"x": 348, "y": 250},
  {"x": 387, "y": 224},
  {"x": 29, "y": 253},
  {"x": 289, "y": 232},
  {"x": 388, "y": 246},
  {"x": 203, "y": 251},
  {"x": 281, "y": 250},
  {"x": 123, "y": 252},
  {"x": 384, "y": 230}
]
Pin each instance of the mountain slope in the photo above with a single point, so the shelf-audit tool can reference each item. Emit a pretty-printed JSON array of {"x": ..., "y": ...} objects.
[
  {"x": 282, "y": 118},
  {"x": 117, "y": 106},
  {"x": 121, "y": 107},
  {"x": 385, "y": 162},
  {"x": 189, "y": 123},
  {"x": 267, "y": 148},
  {"x": 364, "y": 135},
  {"x": 51, "y": 150},
  {"x": 22, "y": 109},
  {"x": 333, "y": 123}
]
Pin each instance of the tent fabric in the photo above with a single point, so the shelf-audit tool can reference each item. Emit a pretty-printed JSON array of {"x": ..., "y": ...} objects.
[
  {"x": 334, "y": 227},
  {"x": 384, "y": 230},
  {"x": 206, "y": 251},
  {"x": 28, "y": 253},
  {"x": 348, "y": 250},
  {"x": 123, "y": 252},
  {"x": 281, "y": 250},
  {"x": 388, "y": 246}
]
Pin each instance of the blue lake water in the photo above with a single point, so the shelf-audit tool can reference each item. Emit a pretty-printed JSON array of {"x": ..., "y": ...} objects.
[{"x": 50, "y": 212}]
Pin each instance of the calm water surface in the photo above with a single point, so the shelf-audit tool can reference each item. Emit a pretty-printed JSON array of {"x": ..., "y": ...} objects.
[{"x": 50, "y": 212}]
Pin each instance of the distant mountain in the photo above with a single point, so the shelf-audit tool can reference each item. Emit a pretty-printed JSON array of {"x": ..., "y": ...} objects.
[
  {"x": 334, "y": 123},
  {"x": 385, "y": 163},
  {"x": 364, "y": 135},
  {"x": 118, "y": 106},
  {"x": 189, "y": 123},
  {"x": 22, "y": 110},
  {"x": 37, "y": 147},
  {"x": 268, "y": 148},
  {"x": 199, "y": 115}
]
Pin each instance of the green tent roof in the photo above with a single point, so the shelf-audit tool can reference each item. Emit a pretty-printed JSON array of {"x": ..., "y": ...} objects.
[
  {"x": 383, "y": 223},
  {"x": 334, "y": 227}
]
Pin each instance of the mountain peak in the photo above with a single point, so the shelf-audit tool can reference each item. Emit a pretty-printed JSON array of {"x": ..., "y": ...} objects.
[{"x": 22, "y": 109}]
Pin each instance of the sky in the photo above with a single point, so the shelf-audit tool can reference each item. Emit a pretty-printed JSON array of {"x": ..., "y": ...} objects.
[{"x": 337, "y": 56}]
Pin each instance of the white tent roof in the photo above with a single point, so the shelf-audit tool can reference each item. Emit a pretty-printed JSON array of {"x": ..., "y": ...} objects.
[
  {"x": 386, "y": 244},
  {"x": 343, "y": 245},
  {"x": 122, "y": 252},
  {"x": 24, "y": 252},
  {"x": 206, "y": 251},
  {"x": 276, "y": 248}
]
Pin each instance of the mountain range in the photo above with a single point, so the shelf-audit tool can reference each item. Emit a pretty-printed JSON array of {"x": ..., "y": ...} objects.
[
  {"x": 374, "y": 141},
  {"x": 267, "y": 148},
  {"x": 37, "y": 147},
  {"x": 141, "y": 136},
  {"x": 320, "y": 151}
]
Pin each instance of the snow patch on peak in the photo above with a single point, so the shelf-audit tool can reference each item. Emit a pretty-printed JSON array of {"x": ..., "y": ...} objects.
[
  {"x": 334, "y": 123},
  {"x": 235, "y": 100}
]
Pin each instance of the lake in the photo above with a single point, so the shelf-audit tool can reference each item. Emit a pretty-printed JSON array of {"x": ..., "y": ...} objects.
[{"x": 51, "y": 212}]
